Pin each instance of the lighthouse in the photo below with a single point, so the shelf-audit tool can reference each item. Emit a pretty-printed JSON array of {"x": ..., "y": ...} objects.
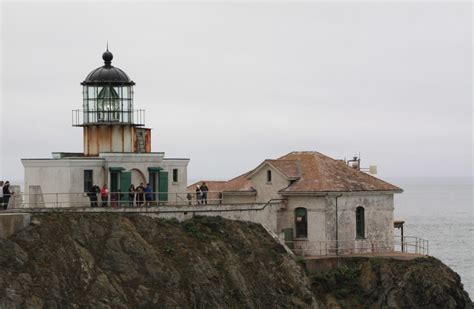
[
  {"x": 117, "y": 149},
  {"x": 109, "y": 120}
]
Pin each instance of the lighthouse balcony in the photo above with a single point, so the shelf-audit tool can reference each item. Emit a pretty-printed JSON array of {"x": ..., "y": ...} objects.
[{"x": 81, "y": 118}]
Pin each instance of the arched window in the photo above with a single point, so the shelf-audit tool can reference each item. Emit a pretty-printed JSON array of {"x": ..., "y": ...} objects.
[
  {"x": 301, "y": 223},
  {"x": 360, "y": 222}
]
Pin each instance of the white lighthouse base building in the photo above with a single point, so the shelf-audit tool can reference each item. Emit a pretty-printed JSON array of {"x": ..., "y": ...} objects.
[{"x": 65, "y": 179}]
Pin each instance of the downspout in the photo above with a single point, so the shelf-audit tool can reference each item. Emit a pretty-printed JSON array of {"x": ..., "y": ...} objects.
[{"x": 337, "y": 226}]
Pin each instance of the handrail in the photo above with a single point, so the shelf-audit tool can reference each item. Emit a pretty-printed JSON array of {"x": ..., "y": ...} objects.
[
  {"x": 82, "y": 117},
  {"x": 126, "y": 199},
  {"x": 412, "y": 244}
]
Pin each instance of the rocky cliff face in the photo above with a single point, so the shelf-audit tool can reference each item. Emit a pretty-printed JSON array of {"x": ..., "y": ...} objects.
[
  {"x": 130, "y": 261},
  {"x": 390, "y": 283},
  {"x": 133, "y": 261}
]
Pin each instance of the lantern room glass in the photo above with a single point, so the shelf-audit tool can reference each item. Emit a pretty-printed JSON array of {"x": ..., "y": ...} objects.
[{"x": 108, "y": 104}]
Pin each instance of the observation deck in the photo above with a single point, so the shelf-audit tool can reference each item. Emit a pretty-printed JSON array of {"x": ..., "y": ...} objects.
[{"x": 82, "y": 118}]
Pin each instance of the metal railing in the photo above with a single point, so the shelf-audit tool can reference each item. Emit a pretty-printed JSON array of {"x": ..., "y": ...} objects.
[
  {"x": 84, "y": 202},
  {"x": 340, "y": 247},
  {"x": 412, "y": 244},
  {"x": 81, "y": 117},
  {"x": 114, "y": 199}
]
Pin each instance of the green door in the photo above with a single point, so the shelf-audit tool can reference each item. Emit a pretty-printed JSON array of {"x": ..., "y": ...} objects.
[
  {"x": 163, "y": 186},
  {"x": 288, "y": 237},
  {"x": 125, "y": 182}
]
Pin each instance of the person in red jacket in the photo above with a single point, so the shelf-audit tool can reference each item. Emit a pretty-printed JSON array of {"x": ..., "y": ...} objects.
[{"x": 104, "y": 195}]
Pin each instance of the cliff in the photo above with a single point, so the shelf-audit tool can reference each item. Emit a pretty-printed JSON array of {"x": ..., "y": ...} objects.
[
  {"x": 361, "y": 282},
  {"x": 134, "y": 261},
  {"x": 131, "y": 261}
]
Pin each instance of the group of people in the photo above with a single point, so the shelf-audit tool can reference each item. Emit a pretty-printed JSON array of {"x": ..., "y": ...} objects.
[
  {"x": 201, "y": 193},
  {"x": 5, "y": 194},
  {"x": 139, "y": 196}
]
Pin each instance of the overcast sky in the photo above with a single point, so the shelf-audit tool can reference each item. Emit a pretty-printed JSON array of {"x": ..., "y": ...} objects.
[{"x": 229, "y": 85}]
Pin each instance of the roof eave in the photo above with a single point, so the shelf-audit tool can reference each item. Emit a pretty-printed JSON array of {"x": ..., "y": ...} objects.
[
  {"x": 239, "y": 192},
  {"x": 322, "y": 193}
]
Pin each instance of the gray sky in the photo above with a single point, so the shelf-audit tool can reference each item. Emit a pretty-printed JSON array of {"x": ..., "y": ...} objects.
[{"x": 229, "y": 85}]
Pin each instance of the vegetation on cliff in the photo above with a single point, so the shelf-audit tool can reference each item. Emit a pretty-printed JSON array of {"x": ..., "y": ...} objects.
[
  {"x": 130, "y": 261},
  {"x": 363, "y": 282}
]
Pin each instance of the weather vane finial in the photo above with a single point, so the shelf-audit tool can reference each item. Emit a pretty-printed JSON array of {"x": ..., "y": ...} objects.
[{"x": 107, "y": 45}]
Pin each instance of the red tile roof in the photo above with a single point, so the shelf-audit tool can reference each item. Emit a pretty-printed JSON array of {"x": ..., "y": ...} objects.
[
  {"x": 311, "y": 172},
  {"x": 239, "y": 184},
  {"x": 290, "y": 168},
  {"x": 211, "y": 184},
  {"x": 320, "y": 173}
]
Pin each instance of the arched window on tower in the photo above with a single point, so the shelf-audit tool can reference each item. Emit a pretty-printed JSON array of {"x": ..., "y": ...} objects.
[
  {"x": 301, "y": 223},
  {"x": 360, "y": 222}
]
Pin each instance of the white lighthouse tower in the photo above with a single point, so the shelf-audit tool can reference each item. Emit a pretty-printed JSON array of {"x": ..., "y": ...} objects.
[{"x": 117, "y": 149}]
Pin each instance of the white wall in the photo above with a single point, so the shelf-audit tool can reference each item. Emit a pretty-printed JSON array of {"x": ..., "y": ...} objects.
[
  {"x": 322, "y": 222},
  {"x": 267, "y": 191},
  {"x": 61, "y": 181},
  {"x": 65, "y": 177}
]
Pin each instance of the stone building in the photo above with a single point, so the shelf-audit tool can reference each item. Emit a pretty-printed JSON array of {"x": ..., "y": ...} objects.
[
  {"x": 328, "y": 206},
  {"x": 117, "y": 149}
]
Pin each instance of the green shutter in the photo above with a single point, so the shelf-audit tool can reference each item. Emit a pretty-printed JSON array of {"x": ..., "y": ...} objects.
[
  {"x": 125, "y": 182},
  {"x": 163, "y": 186},
  {"x": 288, "y": 237}
]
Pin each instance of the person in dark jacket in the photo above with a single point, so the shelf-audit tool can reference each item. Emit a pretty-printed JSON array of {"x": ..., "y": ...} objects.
[
  {"x": 148, "y": 194},
  {"x": 92, "y": 194},
  {"x": 131, "y": 195},
  {"x": 140, "y": 195},
  {"x": 6, "y": 194},
  {"x": 204, "y": 190}
]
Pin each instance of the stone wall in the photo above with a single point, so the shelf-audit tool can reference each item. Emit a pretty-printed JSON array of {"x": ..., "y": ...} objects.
[
  {"x": 322, "y": 223},
  {"x": 11, "y": 223},
  {"x": 257, "y": 213}
]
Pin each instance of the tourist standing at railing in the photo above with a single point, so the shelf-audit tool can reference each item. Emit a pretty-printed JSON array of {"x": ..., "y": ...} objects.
[
  {"x": 198, "y": 195},
  {"x": 204, "y": 190},
  {"x": 104, "y": 195},
  {"x": 131, "y": 195},
  {"x": 140, "y": 195},
  {"x": 93, "y": 191},
  {"x": 6, "y": 194},
  {"x": 148, "y": 194},
  {"x": 1, "y": 194},
  {"x": 114, "y": 198}
]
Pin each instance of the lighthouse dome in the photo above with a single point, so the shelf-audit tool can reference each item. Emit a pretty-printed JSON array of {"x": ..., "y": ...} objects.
[{"x": 107, "y": 74}]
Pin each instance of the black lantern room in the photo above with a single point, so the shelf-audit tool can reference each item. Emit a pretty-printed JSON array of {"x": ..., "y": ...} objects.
[{"x": 108, "y": 95}]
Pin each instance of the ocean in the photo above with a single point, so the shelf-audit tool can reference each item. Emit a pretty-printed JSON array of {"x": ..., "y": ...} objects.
[{"x": 441, "y": 210}]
